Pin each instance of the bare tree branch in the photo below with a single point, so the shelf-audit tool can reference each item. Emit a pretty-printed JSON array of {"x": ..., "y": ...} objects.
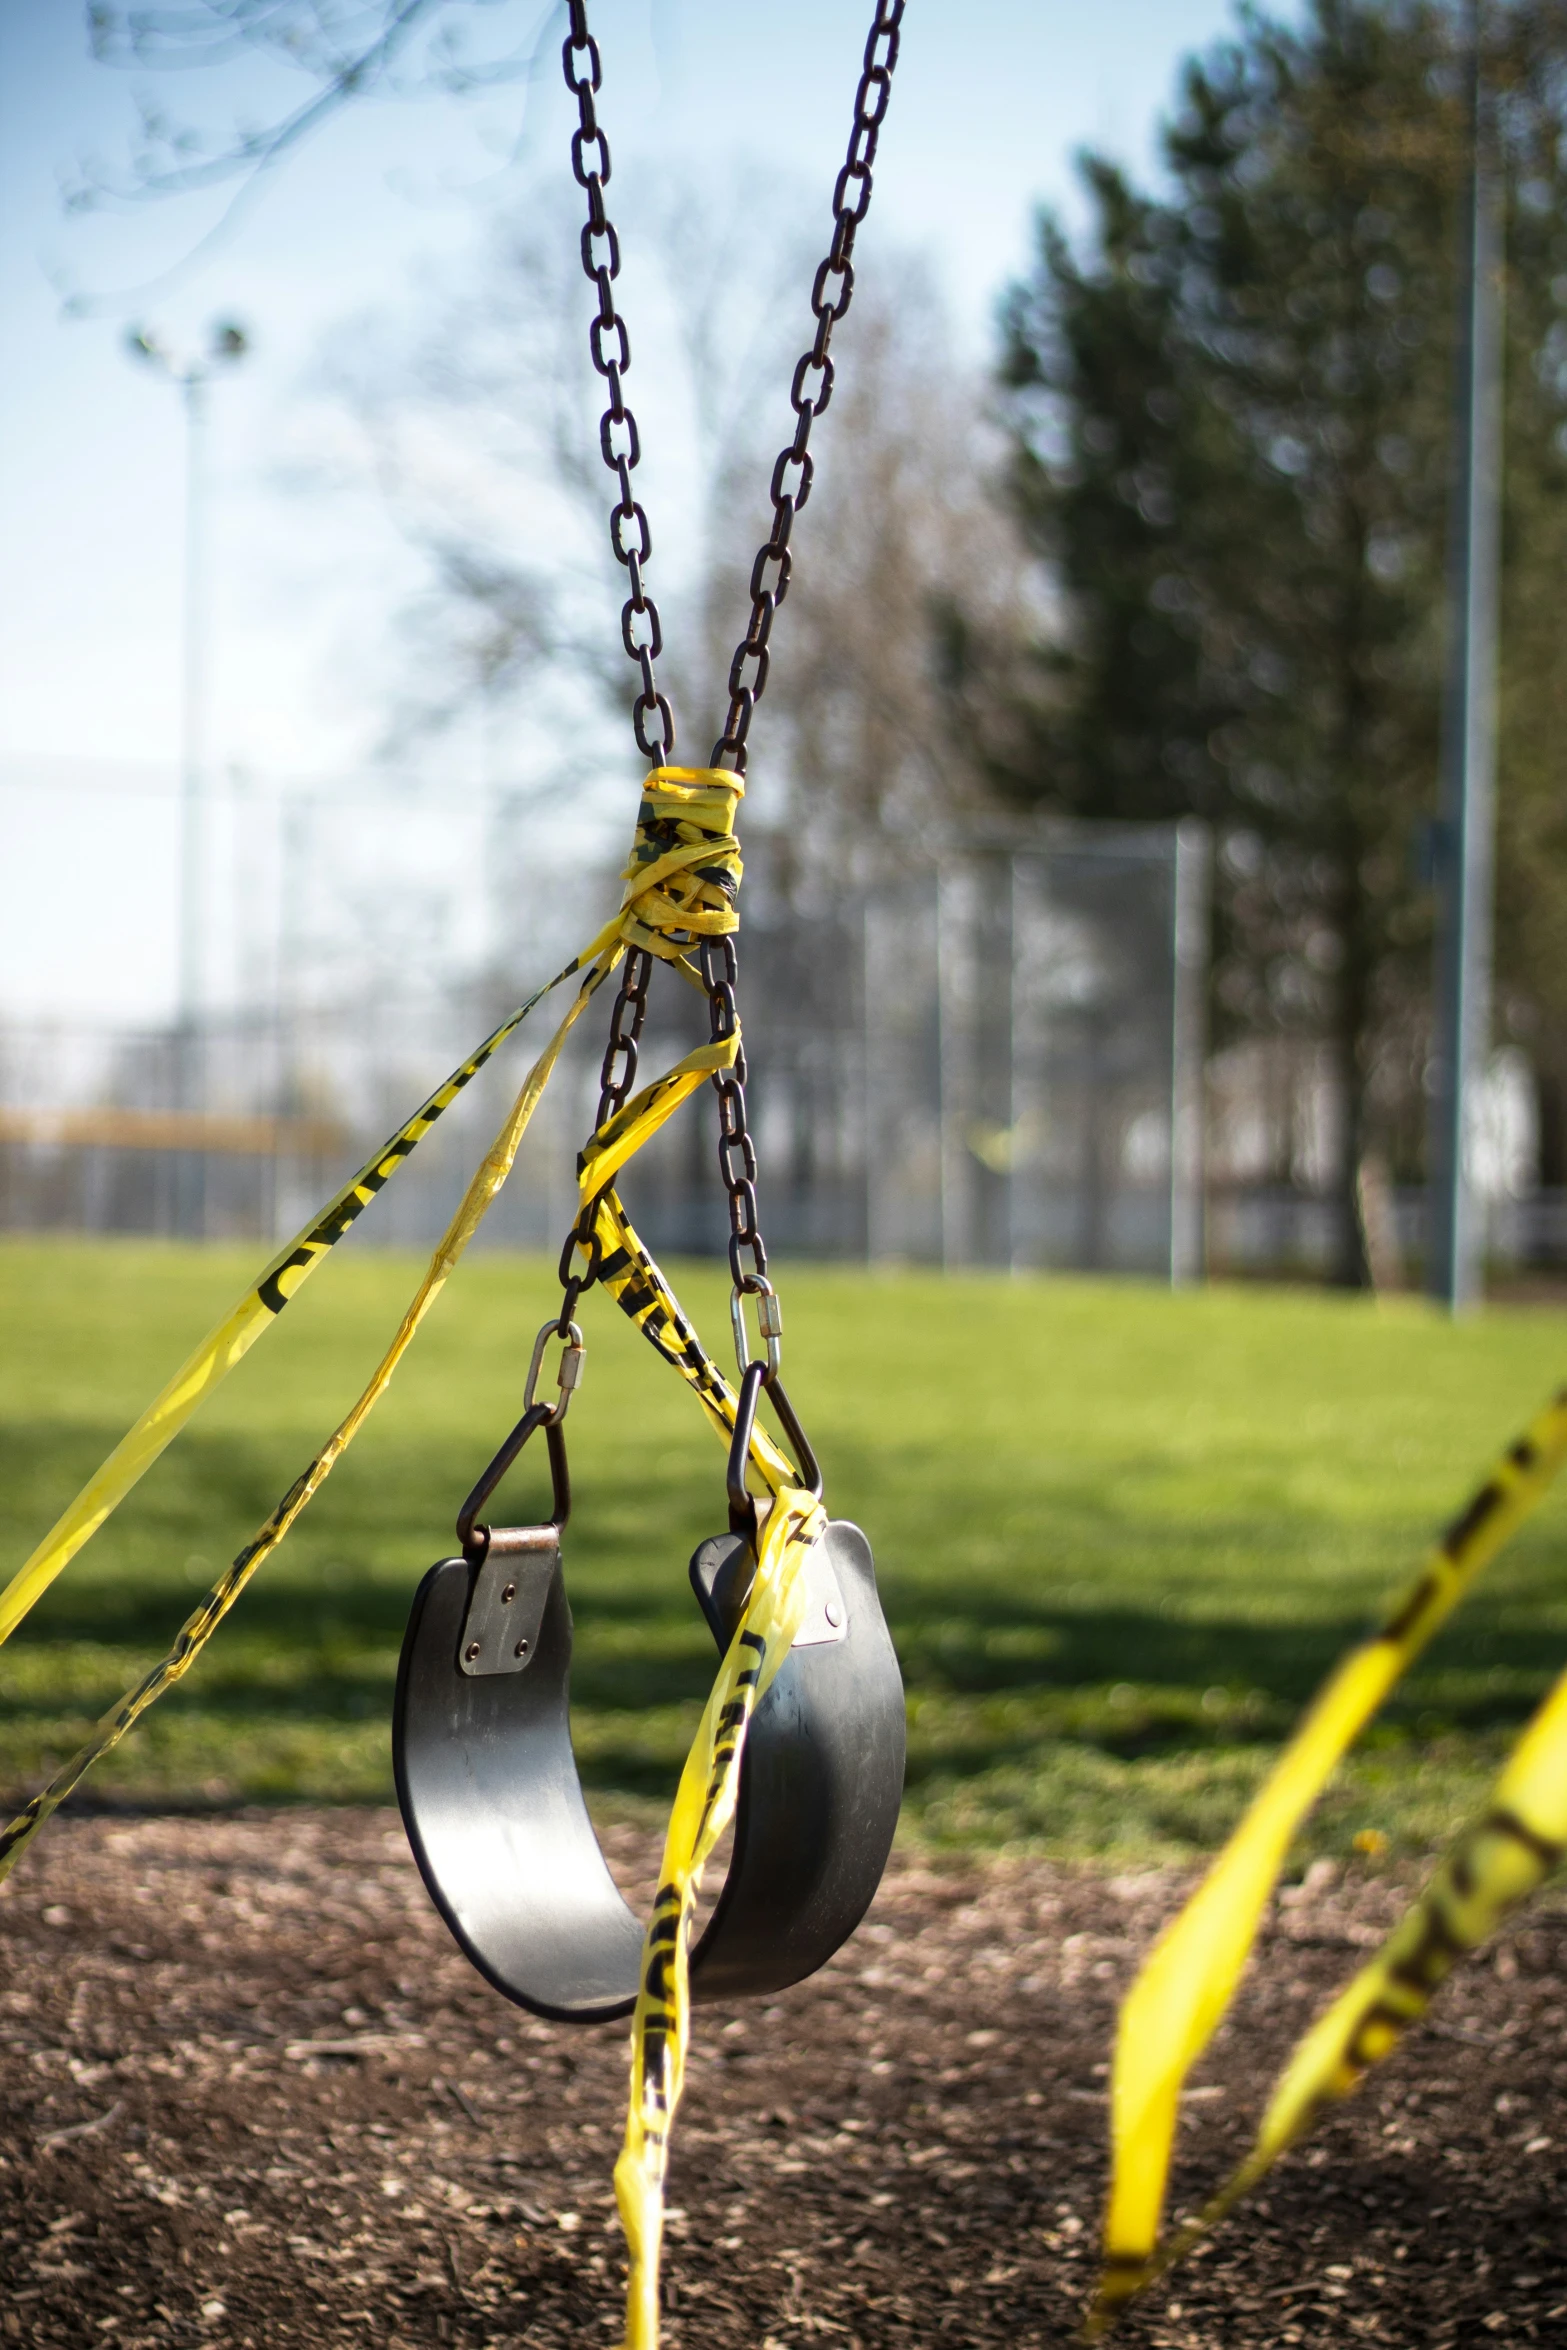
[
  {"x": 348, "y": 49},
  {"x": 486, "y": 449}
]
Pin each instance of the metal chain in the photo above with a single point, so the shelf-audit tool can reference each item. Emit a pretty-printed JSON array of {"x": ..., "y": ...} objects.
[
  {"x": 830, "y": 298},
  {"x": 640, "y": 629},
  {"x": 809, "y": 394},
  {"x": 616, "y": 1078},
  {"x": 619, "y": 442},
  {"x": 619, "y": 1069},
  {"x": 736, "y": 1151}
]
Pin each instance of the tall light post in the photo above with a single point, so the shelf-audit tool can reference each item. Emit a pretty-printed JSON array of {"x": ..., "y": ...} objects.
[
  {"x": 1465, "y": 840},
  {"x": 191, "y": 372}
]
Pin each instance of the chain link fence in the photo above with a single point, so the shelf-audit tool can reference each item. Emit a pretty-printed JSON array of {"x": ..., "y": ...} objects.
[{"x": 995, "y": 1059}]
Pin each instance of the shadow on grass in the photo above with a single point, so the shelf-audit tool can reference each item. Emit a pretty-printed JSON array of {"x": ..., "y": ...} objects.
[
  {"x": 1123, "y": 1678},
  {"x": 998, "y": 1663}
]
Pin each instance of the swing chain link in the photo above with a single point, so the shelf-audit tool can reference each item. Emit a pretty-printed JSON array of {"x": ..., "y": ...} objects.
[
  {"x": 736, "y": 1151},
  {"x": 616, "y": 1078},
  {"x": 794, "y": 471},
  {"x": 792, "y": 476},
  {"x": 620, "y": 443},
  {"x": 642, "y": 633},
  {"x": 619, "y": 1070}
]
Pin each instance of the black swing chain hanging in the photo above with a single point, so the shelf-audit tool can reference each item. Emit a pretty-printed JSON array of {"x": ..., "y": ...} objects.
[
  {"x": 619, "y": 442},
  {"x": 642, "y": 633}
]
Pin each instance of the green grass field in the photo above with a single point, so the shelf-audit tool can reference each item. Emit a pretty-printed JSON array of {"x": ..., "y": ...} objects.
[{"x": 1120, "y": 1533}]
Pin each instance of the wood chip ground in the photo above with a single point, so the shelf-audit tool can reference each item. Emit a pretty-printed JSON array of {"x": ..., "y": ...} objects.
[{"x": 253, "y": 2096}]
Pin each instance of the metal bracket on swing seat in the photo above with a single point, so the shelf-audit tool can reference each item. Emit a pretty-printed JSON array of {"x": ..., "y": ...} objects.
[
  {"x": 500, "y": 1632},
  {"x": 721, "y": 1576}
]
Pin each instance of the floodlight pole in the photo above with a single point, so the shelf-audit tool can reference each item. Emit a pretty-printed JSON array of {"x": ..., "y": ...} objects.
[
  {"x": 191, "y": 374},
  {"x": 1465, "y": 859},
  {"x": 193, "y": 713}
]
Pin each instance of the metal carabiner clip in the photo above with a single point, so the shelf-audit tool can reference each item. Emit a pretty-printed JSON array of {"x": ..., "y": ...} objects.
[
  {"x": 769, "y": 1322},
  {"x": 742, "y": 1502},
  {"x": 572, "y": 1360}
]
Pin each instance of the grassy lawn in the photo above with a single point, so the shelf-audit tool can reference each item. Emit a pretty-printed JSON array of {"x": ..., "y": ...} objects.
[{"x": 1120, "y": 1534}]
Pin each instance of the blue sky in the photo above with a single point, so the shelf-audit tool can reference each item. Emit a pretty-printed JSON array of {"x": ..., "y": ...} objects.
[{"x": 991, "y": 100}]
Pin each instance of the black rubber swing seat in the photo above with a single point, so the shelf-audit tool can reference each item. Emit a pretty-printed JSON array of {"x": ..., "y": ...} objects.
[{"x": 493, "y": 1804}]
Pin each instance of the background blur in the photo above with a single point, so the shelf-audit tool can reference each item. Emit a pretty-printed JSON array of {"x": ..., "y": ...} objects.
[
  {"x": 1090, "y": 844},
  {"x": 1091, "y": 812}
]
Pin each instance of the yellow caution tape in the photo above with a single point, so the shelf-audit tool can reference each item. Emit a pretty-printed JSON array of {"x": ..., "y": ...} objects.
[
  {"x": 229, "y": 1341},
  {"x": 704, "y": 1807},
  {"x": 679, "y": 885},
  {"x": 682, "y": 853},
  {"x": 623, "y": 1135},
  {"x": 682, "y": 807},
  {"x": 199, "y": 1627},
  {"x": 640, "y": 1290},
  {"x": 1186, "y": 1985},
  {"x": 684, "y": 849},
  {"x": 1488, "y": 1871},
  {"x": 705, "y": 1801}
]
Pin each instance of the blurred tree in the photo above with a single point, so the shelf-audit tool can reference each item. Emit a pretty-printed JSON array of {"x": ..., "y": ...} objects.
[
  {"x": 1532, "y": 801},
  {"x": 486, "y": 441},
  {"x": 1231, "y": 425},
  {"x": 483, "y": 438},
  {"x": 329, "y": 54}
]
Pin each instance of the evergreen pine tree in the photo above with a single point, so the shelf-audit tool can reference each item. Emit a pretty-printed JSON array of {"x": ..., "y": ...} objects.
[{"x": 1231, "y": 417}]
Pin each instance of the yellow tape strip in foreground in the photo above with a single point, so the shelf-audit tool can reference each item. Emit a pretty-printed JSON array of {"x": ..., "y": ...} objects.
[
  {"x": 1174, "y": 2007},
  {"x": 229, "y": 1341},
  {"x": 683, "y": 855},
  {"x": 1490, "y": 1868},
  {"x": 704, "y": 1806},
  {"x": 683, "y": 850},
  {"x": 199, "y": 1627},
  {"x": 683, "y": 864}
]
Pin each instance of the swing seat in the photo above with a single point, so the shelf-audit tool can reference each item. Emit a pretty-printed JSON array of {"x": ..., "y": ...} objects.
[{"x": 493, "y": 1804}]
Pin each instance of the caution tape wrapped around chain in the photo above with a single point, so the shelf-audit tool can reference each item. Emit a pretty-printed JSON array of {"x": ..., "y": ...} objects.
[
  {"x": 640, "y": 1290},
  {"x": 1186, "y": 1985}
]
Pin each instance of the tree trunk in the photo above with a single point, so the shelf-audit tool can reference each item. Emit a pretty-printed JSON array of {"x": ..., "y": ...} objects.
[{"x": 1350, "y": 1267}]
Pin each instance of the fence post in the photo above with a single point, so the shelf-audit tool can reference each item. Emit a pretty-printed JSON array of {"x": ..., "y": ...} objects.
[{"x": 1189, "y": 886}]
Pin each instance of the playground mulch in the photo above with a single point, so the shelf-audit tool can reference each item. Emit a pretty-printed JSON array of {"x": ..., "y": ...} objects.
[{"x": 252, "y": 2095}]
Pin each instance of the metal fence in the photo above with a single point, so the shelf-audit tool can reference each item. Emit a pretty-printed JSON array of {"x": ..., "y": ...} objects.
[
  {"x": 995, "y": 1059},
  {"x": 1279, "y": 1231}
]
